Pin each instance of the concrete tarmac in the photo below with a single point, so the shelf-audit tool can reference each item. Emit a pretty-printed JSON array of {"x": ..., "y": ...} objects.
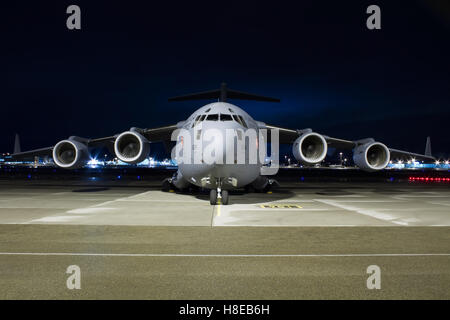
[{"x": 303, "y": 241}]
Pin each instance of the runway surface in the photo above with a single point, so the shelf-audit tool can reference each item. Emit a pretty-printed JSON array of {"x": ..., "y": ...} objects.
[{"x": 303, "y": 241}]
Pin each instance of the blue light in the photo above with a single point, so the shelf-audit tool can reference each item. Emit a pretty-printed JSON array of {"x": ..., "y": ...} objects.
[
  {"x": 302, "y": 179},
  {"x": 118, "y": 177},
  {"x": 139, "y": 177},
  {"x": 29, "y": 176}
]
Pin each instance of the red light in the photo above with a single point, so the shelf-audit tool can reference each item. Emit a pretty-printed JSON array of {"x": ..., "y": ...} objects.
[{"x": 429, "y": 179}]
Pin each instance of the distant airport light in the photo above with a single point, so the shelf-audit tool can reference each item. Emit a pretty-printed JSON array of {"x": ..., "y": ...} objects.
[
  {"x": 93, "y": 163},
  {"x": 446, "y": 162},
  {"x": 437, "y": 162}
]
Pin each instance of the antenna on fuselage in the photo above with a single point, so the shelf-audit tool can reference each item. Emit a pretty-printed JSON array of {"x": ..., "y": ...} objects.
[{"x": 223, "y": 94}]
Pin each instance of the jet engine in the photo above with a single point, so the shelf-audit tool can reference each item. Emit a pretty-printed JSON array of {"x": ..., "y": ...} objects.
[
  {"x": 310, "y": 148},
  {"x": 371, "y": 156},
  {"x": 131, "y": 147},
  {"x": 71, "y": 153}
]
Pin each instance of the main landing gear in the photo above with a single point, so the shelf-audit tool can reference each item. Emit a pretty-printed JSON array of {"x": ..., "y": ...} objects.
[{"x": 218, "y": 196}]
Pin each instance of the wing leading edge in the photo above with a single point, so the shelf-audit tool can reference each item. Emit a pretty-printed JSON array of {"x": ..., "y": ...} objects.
[
  {"x": 289, "y": 136},
  {"x": 161, "y": 134}
]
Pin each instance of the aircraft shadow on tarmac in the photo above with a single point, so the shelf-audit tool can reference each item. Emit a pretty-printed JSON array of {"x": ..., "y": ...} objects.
[
  {"x": 334, "y": 192},
  {"x": 98, "y": 189},
  {"x": 242, "y": 197}
]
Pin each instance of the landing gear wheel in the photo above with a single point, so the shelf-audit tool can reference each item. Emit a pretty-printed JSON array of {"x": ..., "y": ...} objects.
[
  {"x": 225, "y": 197},
  {"x": 213, "y": 196}
]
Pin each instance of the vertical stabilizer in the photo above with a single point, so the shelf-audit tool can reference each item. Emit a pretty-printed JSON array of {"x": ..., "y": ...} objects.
[
  {"x": 428, "y": 147},
  {"x": 17, "y": 144}
]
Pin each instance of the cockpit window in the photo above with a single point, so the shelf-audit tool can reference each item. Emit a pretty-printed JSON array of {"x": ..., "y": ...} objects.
[
  {"x": 243, "y": 122},
  {"x": 198, "y": 119},
  {"x": 213, "y": 117},
  {"x": 225, "y": 117},
  {"x": 240, "y": 120}
]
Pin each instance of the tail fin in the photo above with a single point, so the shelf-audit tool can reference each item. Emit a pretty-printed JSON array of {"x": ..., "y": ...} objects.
[
  {"x": 17, "y": 144},
  {"x": 428, "y": 147},
  {"x": 222, "y": 95}
]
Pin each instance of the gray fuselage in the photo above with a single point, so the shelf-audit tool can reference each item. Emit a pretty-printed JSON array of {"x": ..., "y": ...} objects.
[{"x": 220, "y": 118}]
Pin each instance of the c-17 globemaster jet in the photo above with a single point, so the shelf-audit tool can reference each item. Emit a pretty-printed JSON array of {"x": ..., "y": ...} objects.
[{"x": 220, "y": 147}]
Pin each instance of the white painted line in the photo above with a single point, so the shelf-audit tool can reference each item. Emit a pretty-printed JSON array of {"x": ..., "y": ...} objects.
[
  {"x": 91, "y": 210},
  {"x": 363, "y": 201},
  {"x": 137, "y": 195},
  {"x": 56, "y": 219},
  {"x": 371, "y": 213},
  {"x": 157, "y": 200},
  {"x": 223, "y": 255},
  {"x": 290, "y": 201},
  {"x": 33, "y": 207},
  {"x": 120, "y": 199},
  {"x": 97, "y": 193},
  {"x": 447, "y": 204},
  {"x": 400, "y": 197}
]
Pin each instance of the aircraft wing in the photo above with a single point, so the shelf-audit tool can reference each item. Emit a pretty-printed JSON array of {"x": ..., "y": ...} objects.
[
  {"x": 288, "y": 136},
  {"x": 405, "y": 155},
  {"x": 43, "y": 152},
  {"x": 152, "y": 135}
]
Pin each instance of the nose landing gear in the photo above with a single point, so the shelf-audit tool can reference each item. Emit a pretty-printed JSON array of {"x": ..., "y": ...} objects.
[
  {"x": 213, "y": 196},
  {"x": 218, "y": 196},
  {"x": 225, "y": 197}
]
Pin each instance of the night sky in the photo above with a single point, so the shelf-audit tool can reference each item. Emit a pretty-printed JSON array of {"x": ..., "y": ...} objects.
[{"x": 331, "y": 73}]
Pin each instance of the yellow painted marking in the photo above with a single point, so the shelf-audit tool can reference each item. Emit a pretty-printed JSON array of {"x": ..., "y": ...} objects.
[
  {"x": 280, "y": 206},
  {"x": 218, "y": 210},
  {"x": 269, "y": 192},
  {"x": 171, "y": 190}
]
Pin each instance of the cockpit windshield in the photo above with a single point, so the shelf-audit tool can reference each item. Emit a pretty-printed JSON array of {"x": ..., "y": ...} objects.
[
  {"x": 222, "y": 117},
  {"x": 213, "y": 117}
]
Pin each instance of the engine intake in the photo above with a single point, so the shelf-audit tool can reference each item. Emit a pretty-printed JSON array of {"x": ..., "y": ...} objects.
[
  {"x": 371, "y": 156},
  {"x": 70, "y": 153},
  {"x": 131, "y": 147},
  {"x": 310, "y": 148}
]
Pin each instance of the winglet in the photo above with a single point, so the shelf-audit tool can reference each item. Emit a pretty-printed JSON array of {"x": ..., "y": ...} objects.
[
  {"x": 428, "y": 147},
  {"x": 222, "y": 95}
]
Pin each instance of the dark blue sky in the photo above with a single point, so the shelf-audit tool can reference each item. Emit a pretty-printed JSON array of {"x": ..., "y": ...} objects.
[{"x": 331, "y": 73}]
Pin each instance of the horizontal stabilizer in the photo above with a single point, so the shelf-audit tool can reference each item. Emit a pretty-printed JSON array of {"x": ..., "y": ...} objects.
[{"x": 222, "y": 95}]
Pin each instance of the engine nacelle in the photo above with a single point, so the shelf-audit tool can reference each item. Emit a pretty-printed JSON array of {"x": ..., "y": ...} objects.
[
  {"x": 71, "y": 153},
  {"x": 131, "y": 147},
  {"x": 310, "y": 148},
  {"x": 371, "y": 156}
]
